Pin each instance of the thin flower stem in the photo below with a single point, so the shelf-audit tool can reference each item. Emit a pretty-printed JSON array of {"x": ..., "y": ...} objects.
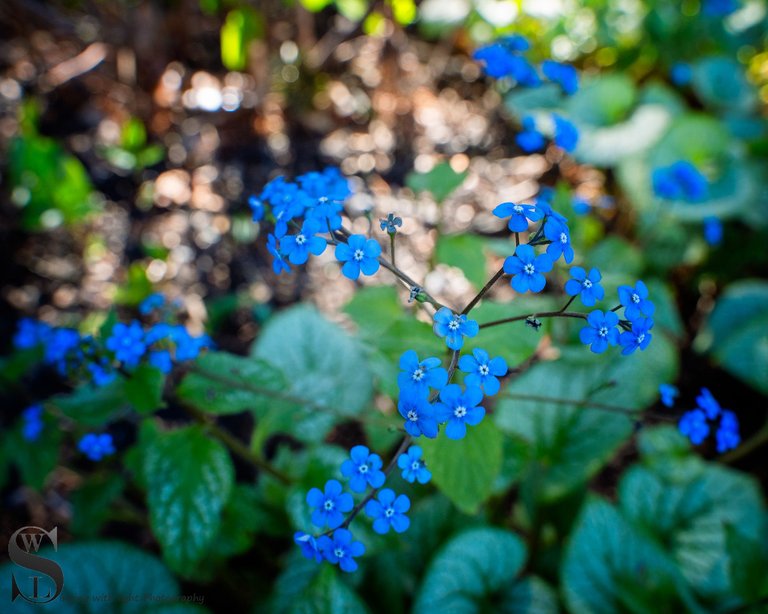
[
  {"x": 517, "y": 239},
  {"x": 616, "y": 308},
  {"x": 568, "y": 304},
  {"x": 482, "y": 292},
  {"x": 544, "y": 314},
  {"x": 750, "y": 445},
  {"x": 392, "y": 247}
]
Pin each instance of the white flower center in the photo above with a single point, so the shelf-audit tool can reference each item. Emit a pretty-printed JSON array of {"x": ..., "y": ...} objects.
[
  {"x": 517, "y": 209},
  {"x": 339, "y": 553},
  {"x": 415, "y": 465},
  {"x": 301, "y": 239},
  {"x": 363, "y": 468},
  {"x": 389, "y": 512},
  {"x": 460, "y": 411},
  {"x": 358, "y": 255},
  {"x": 587, "y": 284},
  {"x": 603, "y": 332},
  {"x": 484, "y": 370},
  {"x": 413, "y": 416},
  {"x": 529, "y": 268},
  {"x": 635, "y": 298},
  {"x": 453, "y": 325},
  {"x": 418, "y": 375},
  {"x": 328, "y": 505},
  {"x": 563, "y": 238},
  {"x": 322, "y": 200},
  {"x": 641, "y": 337}
]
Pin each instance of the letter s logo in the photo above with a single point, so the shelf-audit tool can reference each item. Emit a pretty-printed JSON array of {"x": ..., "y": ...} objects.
[{"x": 31, "y": 538}]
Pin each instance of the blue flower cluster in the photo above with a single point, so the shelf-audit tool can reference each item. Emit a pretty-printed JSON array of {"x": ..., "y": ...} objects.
[
  {"x": 32, "y": 422},
  {"x": 312, "y": 206},
  {"x": 695, "y": 423},
  {"x": 566, "y": 135},
  {"x": 505, "y": 59},
  {"x": 386, "y": 509},
  {"x": 679, "y": 181},
  {"x": 96, "y": 445},
  {"x": 84, "y": 357}
]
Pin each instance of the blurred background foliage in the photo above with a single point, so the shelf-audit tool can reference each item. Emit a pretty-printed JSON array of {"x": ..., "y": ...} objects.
[{"x": 133, "y": 133}]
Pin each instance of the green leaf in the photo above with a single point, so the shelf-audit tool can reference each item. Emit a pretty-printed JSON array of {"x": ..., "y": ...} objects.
[
  {"x": 99, "y": 576},
  {"x": 686, "y": 514},
  {"x": 222, "y": 383},
  {"x": 570, "y": 443},
  {"x": 603, "y": 101},
  {"x": 144, "y": 388},
  {"x": 319, "y": 359},
  {"x": 736, "y": 332},
  {"x": 94, "y": 405},
  {"x": 16, "y": 365},
  {"x": 374, "y": 308},
  {"x": 189, "y": 478},
  {"x": 662, "y": 442},
  {"x": 464, "y": 251},
  {"x": 464, "y": 470},
  {"x": 528, "y": 596},
  {"x": 35, "y": 461},
  {"x": 308, "y": 588},
  {"x": 616, "y": 255},
  {"x": 474, "y": 568},
  {"x": 136, "y": 287},
  {"x": 748, "y": 568},
  {"x": 721, "y": 84},
  {"x": 133, "y": 135},
  {"x": 91, "y": 503},
  {"x": 611, "y": 567},
  {"x": 241, "y": 27},
  {"x": 440, "y": 181}
]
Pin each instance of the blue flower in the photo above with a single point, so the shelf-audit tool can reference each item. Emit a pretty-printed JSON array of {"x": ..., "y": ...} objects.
[
  {"x": 328, "y": 183},
  {"x": 96, "y": 446},
  {"x": 693, "y": 424},
  {"x": 600, "y": 331},
  {"x": 680, "y": 181},
  {"x": 257, "y": 208},
  {"x": 459, "y": 409},
  {"x": 419, "y": 415},
  {"x": 389, "y": 511},
  {"x": 358, "y": 254},
  {"x": 413, "y": 466},
  {"x": 161, "y": 359},
  {"x": 526, "y": 269},
  {"x": 419, "y": 376},
  {"x": 483, "y": 371},
  {"x": 59, "y": 345},
  {"x": 520, "y": 214},
  {"x": 298, "y": 247},
  {"x": 566, "y": 134},
  {"x": 101, "y": 373},
  {"x": 127, "y": 342},
  {"x": 278, "y": 264},
  {"x": 326, "y": 212},
  {"x": 564, "y": 75},
  {"x": 713, "y": 231},
  {"x": 559, "y": 235},
  {"x": 586, "y": 286},
  {"x": 363, "y": 469},
  {"x": 308, "y": 545},
  {"x": 330, "y": 505},
  {"x": 708, "y": 404},
  {"x": 635, "y": 301},
  {"x": 681, "y": 73},
  {"x": 30, "y": 333},
  {"x": 391, "y": 223},
  {"x": 502, "y": 61},
  {"x": 32, "y": 422},
  {"x": 637, "y": 338},
  {"x": 727, "y": 436},
  {"x": 580, "y": 205},
  {"x": 529, "y": 138},
  {"x": 454, "y": 327},
  {"x": 719, "y": 8},
  {"x": 668, "y": 393},
  {"x": 152, "y": 302},
  {"x": 340, "y": 549},
  {"x": 515, "y": 42}
]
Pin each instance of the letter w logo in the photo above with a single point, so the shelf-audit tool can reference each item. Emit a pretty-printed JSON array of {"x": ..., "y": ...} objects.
[{"x": 32, "y": 541}]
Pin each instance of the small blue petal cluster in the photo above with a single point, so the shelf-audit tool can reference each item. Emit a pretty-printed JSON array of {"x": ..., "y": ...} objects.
[
  {"x": 330, "y": 505},
  {"x": 152, "y": 303},
  {"x": 363, "y": 470},
  {"x": 413, "y": 466},
  {"x": 566, "y": 135},
  {"x": 586, "y": 286},
  {"x": 519, "y": 215},
  {"x": 96, "y": 445},
  {"x": 695, "y": 423},
  {"x": 713, "y": 231},
  {"x": 681, "y": 73},
  {"x": 358, "y": 254},
  {"x": 668, "y": 394},
  {"x": 454, "y": 327},
  {"x": 505, "y": 59},
  {"x": 98, "y": 361},
  {"x": 32, "y": 422},
  {"x": 680, "y": 181},
  {"x": 483, "y": 371},
  {"x": 529, "y": 138},
  {"x": 526, "y": 269},
  {"x": 389, "y": 512},
  {"x": 391, "y": 223},
  {"x": 719, "y": 8}
]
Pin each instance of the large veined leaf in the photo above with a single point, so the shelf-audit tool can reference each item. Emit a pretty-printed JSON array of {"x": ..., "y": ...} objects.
[
  {"x": 318, "y": 359},
  {"x": 465, "y": 470},
  {"x": 721, "y": 83},
  {"x": 441, "y": 181},
  {"x": 736, "y": 332},
  {"x": 477, "y": 568},
  {"x": 189, "y": 478},
  {"x": 464, "y": 251},
  {"x": 99, "y": 576},
  {"x": 609, "y": 566},
  {"x": 308, "y": 588},
  {"x": 687, "y": 513},
  {"x": 569, "y": 442},
  {"x": 603, "y": 101}
]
